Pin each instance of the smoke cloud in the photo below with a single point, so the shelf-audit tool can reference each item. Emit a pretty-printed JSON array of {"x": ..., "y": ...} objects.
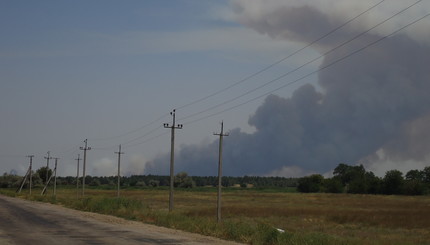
[{"x": 375, "y": 101}]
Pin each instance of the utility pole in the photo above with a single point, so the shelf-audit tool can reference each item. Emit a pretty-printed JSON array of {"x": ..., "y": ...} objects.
[
  {"x": 49, "y": 180},
  {"x": 31, "y": 174},
  {"x": 119, "y": 163},
  {"x": 47, "y": 166},
  {"x": 25, "y": 176},
  {"x": 85, "y": 149},
  {"x": 172, "y": 156},
  {"x": 55, "y": 176},
  {"x": 221, "y": 135},
  {"x": 77, "y": 176}
]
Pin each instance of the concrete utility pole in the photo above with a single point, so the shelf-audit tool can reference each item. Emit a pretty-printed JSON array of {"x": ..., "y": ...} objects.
[
  {"x": 25, "y": 176},
  {"x": 85, "y": 149},
  {"x": 31, "y": 174},
  {"x": 55, "y": 176},
  {"x": 77, "y": 176},
  {"x": 119, "y": 163},
  {"x": 221, "y": 135},
  {"x": 50, "y": 178},
  {"x": 172, "y": 156},
  {"x": 47, "y": 166}
]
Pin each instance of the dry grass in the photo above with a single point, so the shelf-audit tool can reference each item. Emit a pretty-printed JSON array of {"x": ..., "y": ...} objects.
[{"x": 324, "y": 218}]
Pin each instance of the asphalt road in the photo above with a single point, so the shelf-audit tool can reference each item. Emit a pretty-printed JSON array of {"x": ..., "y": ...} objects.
[{"x": 26, "y": 222}]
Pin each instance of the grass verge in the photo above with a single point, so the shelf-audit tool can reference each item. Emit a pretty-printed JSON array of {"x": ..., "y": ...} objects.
[{"x": 254, "y": 216}]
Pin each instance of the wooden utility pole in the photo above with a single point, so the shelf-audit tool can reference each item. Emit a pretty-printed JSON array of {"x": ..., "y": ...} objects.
[
  {"x": 77, "y": 176},
  {"x": 172, "y": 156},
  {"x": 119, "y": 164},
  {"x": 85, "y": 149},
  {"x": 221, "y": 135},
  {"x": 47, "y": 166}
]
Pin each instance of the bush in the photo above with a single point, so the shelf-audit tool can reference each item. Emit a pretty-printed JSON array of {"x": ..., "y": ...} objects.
[
  {"x": 313, "y": 183},
  {"x": 154, "y": 183}
]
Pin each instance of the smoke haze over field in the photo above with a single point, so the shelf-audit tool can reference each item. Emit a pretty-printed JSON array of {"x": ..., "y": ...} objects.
[{"x": 371, "y": 108}]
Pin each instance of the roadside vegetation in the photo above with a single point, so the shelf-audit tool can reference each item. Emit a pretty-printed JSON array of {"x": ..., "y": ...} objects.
[
  {"x": 254, "y": 216},
  {"x": 259, "y": 210}
]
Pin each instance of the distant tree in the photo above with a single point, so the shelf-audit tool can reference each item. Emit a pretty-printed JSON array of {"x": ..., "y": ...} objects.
[
  {"x": 414, "y": 175},
  {"x": 42, "y": 173},
  {"x": 141, "y": 183},
  {"x": 182, "y": 180},
  {"x": 333, "y": 185},
  {"x": 426, "y": 175},
  {"x": 374, "y": 183},
  {"x": 393, "y": 182},
  {"x": 414, "y": 187},
  {"x": 348, "y": 174},
  {"x": 94, "y": 182},
  {"x": 341, "y": 171},
  {"x": 10, "y": 181},
  {"x": 37, "y": 181},
  {"x": 356, "y": 180},
  {"x": 154, "y": 183},
  {"x": 312, "y": 183}
]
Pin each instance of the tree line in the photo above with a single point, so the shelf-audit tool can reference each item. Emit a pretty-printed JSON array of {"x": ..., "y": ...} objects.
[
  {"x": 346, "y": 179},
  {"x": 182, "y": 180},
  {"x": 355, "y": 179}
]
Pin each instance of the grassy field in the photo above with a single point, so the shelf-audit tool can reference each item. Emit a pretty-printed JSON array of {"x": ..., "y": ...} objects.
[{"x": 252, "y": 216}]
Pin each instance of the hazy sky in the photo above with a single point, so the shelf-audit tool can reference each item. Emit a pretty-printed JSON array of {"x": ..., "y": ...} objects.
[{"x": 111, "y": 71}]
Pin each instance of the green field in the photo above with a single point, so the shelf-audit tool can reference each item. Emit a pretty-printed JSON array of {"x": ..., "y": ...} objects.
[{"x": 251, "y": 215}]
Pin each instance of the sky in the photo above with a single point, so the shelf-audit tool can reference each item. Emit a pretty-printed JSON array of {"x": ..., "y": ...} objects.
[{"x": 301, "y": 86}]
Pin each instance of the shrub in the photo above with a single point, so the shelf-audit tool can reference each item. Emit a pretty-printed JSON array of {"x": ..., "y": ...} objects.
[{"x": 311, "y": 183}]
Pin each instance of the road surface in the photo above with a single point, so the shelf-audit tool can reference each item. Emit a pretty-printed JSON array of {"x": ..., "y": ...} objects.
[{"x": 26, "y": 222}]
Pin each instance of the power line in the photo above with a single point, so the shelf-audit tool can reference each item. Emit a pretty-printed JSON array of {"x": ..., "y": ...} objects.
[
  {"x": 299, "y": 79},
  {"x": 279, "y": 61},
  {"x": 312, "y": 73},
  {"x": 265, "y": 94},
  {"x": 128, "y": 142},
  {"x": 132, "y": 131},
  {"x": 143, "y": 136},
  {"x": 108, "y": 148},
  {"x": 232, "y": 85},
  {"x": 148, "y": 140},
  {"x": 301, "y": 66}
]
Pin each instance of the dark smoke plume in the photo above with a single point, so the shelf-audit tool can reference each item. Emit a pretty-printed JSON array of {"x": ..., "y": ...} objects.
[{"x": 376, "y": 100}]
